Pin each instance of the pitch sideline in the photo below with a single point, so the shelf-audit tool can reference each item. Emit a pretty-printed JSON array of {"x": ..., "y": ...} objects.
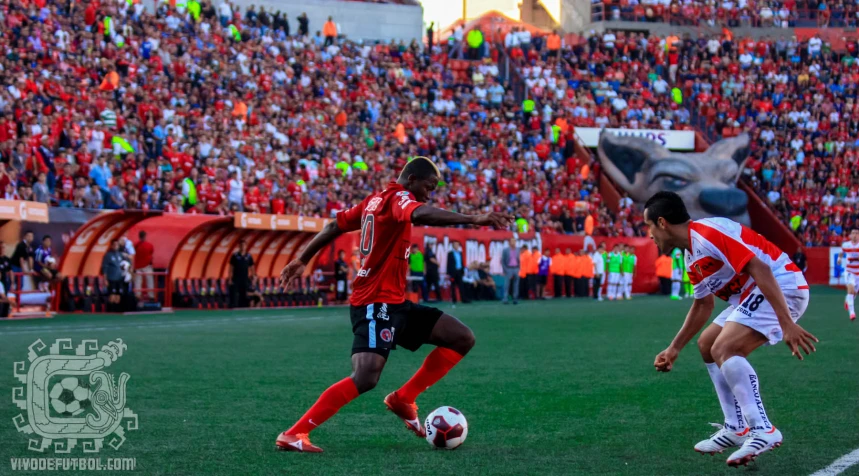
[{"x": 840, "y": 465}]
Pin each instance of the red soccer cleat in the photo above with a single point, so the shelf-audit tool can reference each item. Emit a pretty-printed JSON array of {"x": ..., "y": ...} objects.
[
  {"x": 299, "y": 442},
  {"x": 408, "y": 412}
]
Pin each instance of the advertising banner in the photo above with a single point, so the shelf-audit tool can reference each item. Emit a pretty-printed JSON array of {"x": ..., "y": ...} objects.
[
  {"x": 259, "y": 221},
  {"x": 673, "y": 140}
]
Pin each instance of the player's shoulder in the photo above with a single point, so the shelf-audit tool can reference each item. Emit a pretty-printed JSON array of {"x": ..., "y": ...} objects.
[{"x": 711, "y": 228}]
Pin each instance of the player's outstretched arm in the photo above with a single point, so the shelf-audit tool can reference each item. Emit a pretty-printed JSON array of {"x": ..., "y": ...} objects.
[
  {"x": 322, "y": 239},
  {"x": 431, "y": 216},
  {"x": 794, "y": 336},
  {"x": 698, "y": 315}
]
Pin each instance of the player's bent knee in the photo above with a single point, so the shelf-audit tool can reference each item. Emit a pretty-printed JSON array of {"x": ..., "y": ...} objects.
[
  {"x": 465, "y": 342},
  {"x": 367, "y": 368},
  {"x": 705, "y": 346},
  {"x": 366, "y": 378},
  {"x": 723, "y": 350}
]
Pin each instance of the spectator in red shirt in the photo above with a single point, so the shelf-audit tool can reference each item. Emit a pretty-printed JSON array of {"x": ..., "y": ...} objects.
[{"x": 143, "y": 254}]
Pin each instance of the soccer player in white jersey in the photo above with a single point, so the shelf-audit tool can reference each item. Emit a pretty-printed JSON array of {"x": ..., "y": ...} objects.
[
  {"x": 850, "y": 260},
  {"x": 767, "y": 293}
]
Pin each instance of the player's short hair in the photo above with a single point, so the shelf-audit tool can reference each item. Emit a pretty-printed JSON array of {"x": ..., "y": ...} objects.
[
  {"x": 667, "y": 205},
  {"x": 421, "y": 168}
]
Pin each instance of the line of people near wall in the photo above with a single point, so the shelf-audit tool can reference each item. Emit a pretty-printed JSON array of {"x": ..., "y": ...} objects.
[
  {"x": 526, "y": 274},
  {"x": 579, "y": 274},
  {"x": 673, "y": 277}
]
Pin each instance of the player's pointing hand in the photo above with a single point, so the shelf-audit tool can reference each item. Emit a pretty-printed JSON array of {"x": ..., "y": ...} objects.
[
  {"x": 796, "y": 337},
  {"x": 494, "y": 219},
  {"x": 290, "y": 273}
]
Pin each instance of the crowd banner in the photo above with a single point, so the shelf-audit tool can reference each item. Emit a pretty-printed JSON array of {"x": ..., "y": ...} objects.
[
  {"x": 673, "y": 140},
  {"x": 486, "y": 246}
]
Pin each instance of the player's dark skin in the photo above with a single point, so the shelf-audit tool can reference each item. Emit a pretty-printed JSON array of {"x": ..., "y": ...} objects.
[{"x": 448, "y": 332}]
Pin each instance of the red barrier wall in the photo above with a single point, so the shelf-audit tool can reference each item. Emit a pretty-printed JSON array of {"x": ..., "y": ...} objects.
[{"x": 818, "y": 265}]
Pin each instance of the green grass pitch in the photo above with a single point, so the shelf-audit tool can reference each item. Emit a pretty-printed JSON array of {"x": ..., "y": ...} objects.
[{"x": 556, "y": 387}]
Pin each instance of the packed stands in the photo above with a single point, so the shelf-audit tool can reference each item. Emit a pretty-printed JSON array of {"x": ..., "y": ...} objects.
[
  {"x": 796, "y": 99},
  {"x": 743, "y": 13},
  {"x": 207, "y": 109}
]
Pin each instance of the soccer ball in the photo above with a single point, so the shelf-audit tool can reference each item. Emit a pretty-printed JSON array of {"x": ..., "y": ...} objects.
[
  {"x": 69, "y": 397},
  {"x": 446, "y": 428}
]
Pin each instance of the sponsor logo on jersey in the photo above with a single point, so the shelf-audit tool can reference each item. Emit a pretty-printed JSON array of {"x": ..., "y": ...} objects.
[
  {"x": 405, "y": 201},
  {"x": 363, "y": 273},
  {"x": 373, "y": 204}
]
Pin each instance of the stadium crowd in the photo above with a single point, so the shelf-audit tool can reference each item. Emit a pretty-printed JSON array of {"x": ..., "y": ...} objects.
[
  {"x": 796, "y": 99},
  {"x": 206, "y": 109},
  {"x": 729, "y": 13},
  {"x": 201, "y": 108}
]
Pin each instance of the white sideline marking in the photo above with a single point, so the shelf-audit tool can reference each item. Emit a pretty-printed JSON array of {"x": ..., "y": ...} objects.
[
  {"x": 155, "y": 325},
  {"x": 840, "y": 465}
]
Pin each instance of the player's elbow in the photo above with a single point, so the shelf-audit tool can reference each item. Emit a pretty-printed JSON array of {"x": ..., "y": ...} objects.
[{"x": 332, "y": 229}]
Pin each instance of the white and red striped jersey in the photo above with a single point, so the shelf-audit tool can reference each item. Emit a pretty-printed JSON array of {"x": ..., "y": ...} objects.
[
  {"x": 720, "y": 249},
  {"x": 851, "y": 257}
]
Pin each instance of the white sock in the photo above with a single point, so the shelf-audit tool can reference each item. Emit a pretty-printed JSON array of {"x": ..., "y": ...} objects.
[
  {"x": 675, "y": 288},
  {"x": 733, "y": 413},
  {"x": 744, "y": 382},
  {"x": 850, "y": 307}
]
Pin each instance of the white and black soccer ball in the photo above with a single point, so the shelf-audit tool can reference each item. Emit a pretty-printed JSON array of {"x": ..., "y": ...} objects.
[
  {"x": 446, "y": 428},
  {"x": 69, "y": 397},
  {"x": 50, "y": 261}
]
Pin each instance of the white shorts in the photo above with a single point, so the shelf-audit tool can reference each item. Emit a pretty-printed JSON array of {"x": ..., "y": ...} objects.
[
  {"x": 851, "y": 279},
  {"x": 757, "y": 313},
  {"x": 614, "y": 278},
  {"x": 627, "y": 278},
  {"x": 677, "y": 275}
]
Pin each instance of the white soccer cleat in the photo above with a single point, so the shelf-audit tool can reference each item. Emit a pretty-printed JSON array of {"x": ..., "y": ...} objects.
[
  {"x": 721, "y": 440},
  {"x": 757, "y": 442}
]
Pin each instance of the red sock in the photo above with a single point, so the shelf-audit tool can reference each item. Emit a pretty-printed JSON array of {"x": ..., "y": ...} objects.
[
  {"x": 329, "y": 403},
  {"x": 436, "y": 366}
]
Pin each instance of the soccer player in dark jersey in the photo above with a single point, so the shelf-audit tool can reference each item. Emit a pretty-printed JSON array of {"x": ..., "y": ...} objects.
[{"x": 382, "y": 319}]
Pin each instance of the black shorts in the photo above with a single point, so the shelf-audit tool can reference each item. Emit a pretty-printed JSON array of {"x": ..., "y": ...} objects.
[
  {"x": 380, "y": 327},
  {"x": 542, "y": 278},
  {"x": 116, "y": 287}
]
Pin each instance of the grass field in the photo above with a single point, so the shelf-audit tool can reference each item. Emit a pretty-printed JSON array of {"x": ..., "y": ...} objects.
[{"x": 557, "y": 387}]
